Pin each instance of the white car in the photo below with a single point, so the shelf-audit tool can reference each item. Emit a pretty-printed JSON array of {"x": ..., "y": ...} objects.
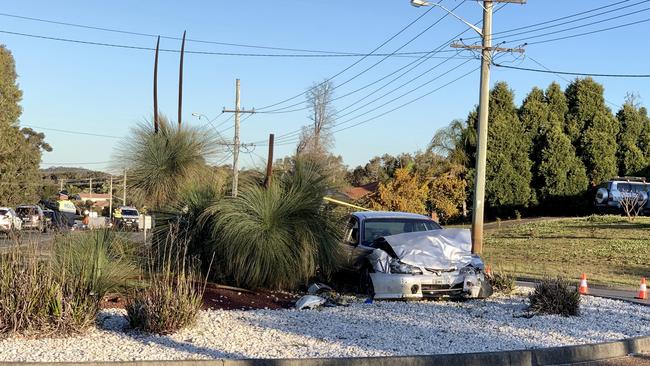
[
  {"x": 407, "y": 256},
  {"x": 10, "y": 223}
]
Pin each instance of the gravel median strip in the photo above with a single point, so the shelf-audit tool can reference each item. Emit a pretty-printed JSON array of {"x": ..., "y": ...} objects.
[{"x": 378, "y": 329}]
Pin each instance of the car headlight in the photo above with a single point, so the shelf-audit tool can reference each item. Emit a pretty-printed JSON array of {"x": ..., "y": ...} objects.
[{"x": 398, "y": 267}]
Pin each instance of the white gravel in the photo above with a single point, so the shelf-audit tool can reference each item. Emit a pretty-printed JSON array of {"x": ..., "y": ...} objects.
[{"x": 379, "y": 329}]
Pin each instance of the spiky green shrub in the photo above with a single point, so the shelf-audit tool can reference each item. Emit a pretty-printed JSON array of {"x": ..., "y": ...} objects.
[
  {"x": 159, "y": 164},
  {"x": 174, "y": 293},
  {"x": 182, "y": 219},
  {"x": 60, "y": 293},
  {"x": 276, "y": 237},
  {"x": 103, "y": 259},
  {"x": 555, "y": 296}
]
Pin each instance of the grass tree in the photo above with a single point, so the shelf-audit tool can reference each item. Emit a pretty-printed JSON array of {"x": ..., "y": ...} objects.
[
  {"x": 276, "y": 237},
  {"x": 160, "y": 164}
]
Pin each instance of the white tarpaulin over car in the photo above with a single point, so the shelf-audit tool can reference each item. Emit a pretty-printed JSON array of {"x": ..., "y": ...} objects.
[{"x": 443, "y": 249}]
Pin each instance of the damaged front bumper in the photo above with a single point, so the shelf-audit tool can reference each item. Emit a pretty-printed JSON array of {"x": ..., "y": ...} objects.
[{"x": 413, "y": 286}]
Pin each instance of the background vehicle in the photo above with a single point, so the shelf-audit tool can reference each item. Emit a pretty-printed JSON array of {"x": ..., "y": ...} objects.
[
  {"x": 10, "y": 223},
  {"x": 609, "y": 194},
  {"x": 48, "y": 217},
  {"x": 32, "y": 217},
  {"x": 127, "y": 218},
  {"x": 407, "y": 256}
]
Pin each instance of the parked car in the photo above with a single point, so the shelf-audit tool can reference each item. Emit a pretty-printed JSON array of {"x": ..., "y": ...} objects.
[
  {"x": 10, "y": 224},
  {"x": 610, "y": 194},
  {"x": 407, "y": 256},
  {"x": 48, "y": 216},
  {"x": 32, "y": 217},
  {"x": 127, "y": 218}
]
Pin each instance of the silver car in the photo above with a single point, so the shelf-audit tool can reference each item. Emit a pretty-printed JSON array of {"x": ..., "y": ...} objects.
[{"x": 407, "y": 256}]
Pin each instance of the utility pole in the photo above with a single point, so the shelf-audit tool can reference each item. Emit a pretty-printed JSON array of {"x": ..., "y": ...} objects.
[
  {"x": 484, "y": 102},
  {"x": 61, "y": 185},
  {"x": 269, "y": 163},
  {"x": 124, "y": 190},
  {"x": 236, "y": 144},
  {"x": 91, "y": 188}
]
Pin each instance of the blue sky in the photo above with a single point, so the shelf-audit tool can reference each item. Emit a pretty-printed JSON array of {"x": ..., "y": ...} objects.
[{"x": 106, "y": 90}]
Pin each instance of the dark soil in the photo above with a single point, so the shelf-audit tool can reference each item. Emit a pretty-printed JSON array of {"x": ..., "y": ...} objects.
[{"x": 216, "y": 297}]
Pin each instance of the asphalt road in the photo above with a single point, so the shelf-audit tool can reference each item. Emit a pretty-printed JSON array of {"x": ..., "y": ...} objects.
[{"x": 42, "y": 240}]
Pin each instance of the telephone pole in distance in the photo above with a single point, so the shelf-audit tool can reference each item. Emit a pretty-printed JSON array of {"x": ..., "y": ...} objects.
[{"x": 236, "y": 143}]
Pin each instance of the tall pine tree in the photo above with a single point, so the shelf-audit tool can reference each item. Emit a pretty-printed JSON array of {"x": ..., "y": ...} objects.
[
  {"x": 631, "y": 158},
  {"x": 592, "y": 129},
  {"x": 508, "y": 173}
]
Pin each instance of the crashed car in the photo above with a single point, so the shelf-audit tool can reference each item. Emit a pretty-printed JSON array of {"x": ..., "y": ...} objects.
[{"x": 407, "y": 256}]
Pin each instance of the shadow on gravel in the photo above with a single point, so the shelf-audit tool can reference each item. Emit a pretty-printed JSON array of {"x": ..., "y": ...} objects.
[{"x": 147, "y": 339}]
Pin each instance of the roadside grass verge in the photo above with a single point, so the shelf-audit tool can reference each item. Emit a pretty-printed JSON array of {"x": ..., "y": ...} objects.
[{"x": 610, "y": 249}]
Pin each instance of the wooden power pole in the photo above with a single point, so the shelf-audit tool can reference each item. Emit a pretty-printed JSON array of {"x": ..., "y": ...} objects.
[
  {"x": 484, "y": 101},
  {"x": 236, "y": 143}
]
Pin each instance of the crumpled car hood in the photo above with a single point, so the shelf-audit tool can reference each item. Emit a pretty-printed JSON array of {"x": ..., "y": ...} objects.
[{"x": 436, "y": 249}]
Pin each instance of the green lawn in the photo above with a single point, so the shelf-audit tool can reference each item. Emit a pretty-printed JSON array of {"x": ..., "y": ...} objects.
[{"x": 609, "y": 249}]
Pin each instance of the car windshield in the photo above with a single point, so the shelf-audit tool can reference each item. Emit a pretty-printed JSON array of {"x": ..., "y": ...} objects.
[
  {"x": 375, "y": 228},
  {"x": 24, "y": 211},
  {"x": 129, "y": 213}
]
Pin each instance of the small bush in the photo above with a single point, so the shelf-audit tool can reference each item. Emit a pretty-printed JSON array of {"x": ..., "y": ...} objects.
[
  {"x": 40, "y": 296},
  {"x": 174, "y": 294},
  {"x": 502, "y": 282},
  {"x": 555, "y": 296}
]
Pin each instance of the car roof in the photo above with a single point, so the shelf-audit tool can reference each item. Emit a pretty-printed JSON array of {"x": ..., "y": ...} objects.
[
  {"x": 389, "y": 215},
  {"x": 5, "y": 208},
  {"x": 127, "y": 208}
]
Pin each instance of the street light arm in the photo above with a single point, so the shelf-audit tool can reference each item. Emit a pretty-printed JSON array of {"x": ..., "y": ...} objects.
[{"x": 418, "y": 3}]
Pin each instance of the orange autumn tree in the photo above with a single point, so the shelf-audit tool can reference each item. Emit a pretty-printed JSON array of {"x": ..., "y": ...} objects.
[{"x": 404, "y": 192}]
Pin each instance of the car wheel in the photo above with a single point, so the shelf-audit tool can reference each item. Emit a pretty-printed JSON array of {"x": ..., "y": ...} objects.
[{"x": 365, "y": 281}]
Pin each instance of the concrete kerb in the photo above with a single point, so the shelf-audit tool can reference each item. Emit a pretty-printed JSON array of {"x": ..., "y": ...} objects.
[{"x": 531, "y": 357}]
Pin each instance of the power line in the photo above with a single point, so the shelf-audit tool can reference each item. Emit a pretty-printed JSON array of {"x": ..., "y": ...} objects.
[
  {"x": 378, "y": 62},
  {"x": 578, "y": 27},
  {"x": 240, "y": 54},
  {"x": 590, "y": 32},
  {"x": 151, "y": 35},
  {"x": 573, "y": 21},
  {"x": 388, "y": 93},
  {"x": 562, "y": 18},
  {"x": 74, "y": 132},
  {"x": 356, "y": 62},
  {"x": 574, "y": 73},
  {"x": 438, "y": 49}
]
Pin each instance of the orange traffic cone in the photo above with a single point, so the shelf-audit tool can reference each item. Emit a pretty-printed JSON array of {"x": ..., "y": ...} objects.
[
  {"x": 583, "y": 289},
  {"x": 643, "y": 292}
]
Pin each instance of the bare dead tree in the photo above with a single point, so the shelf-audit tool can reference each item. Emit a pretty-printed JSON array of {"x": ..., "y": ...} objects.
[
  {"x": 317, "y": 137},
  {"x": 632, "y": 203}
]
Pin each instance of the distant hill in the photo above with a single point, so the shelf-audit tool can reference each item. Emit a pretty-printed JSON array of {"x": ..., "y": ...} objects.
[{"x": 71, "y": 173}]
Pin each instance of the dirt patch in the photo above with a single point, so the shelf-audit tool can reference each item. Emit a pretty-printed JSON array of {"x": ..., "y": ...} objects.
[
  {"x": 216, "y": 297},
  {"x": 226, "y": 299}
]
